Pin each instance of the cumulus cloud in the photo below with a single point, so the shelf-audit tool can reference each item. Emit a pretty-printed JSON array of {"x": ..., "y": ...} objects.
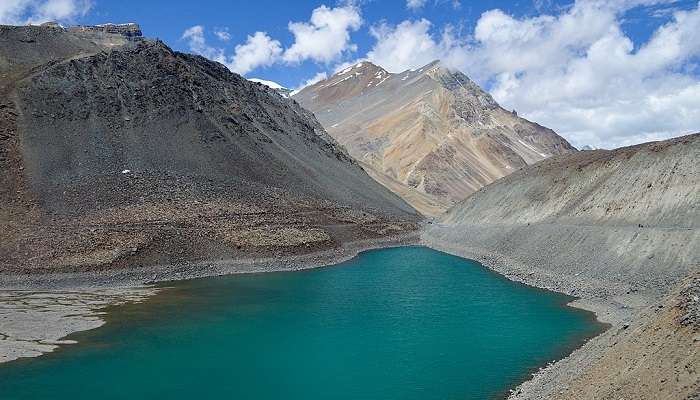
[
  {"x": 198, "y": 44},
  {"x": 21, "y": 12},
  {"x": 409, "y": 44},
  {"x": 326, "y": 36},
  {"x": 259, "y": 50},
  {"x": 577, "y": 72}
]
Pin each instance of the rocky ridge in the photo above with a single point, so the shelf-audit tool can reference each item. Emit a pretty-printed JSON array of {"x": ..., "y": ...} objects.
[
  {"x": 283, "y": 91},
  {"x": 130, "y": 30}
]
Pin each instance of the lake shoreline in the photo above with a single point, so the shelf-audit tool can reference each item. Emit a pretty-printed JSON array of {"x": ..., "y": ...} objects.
[
  {"x": 112, "y": 313},
  {"x": 92, "y": 284},
  {"x": 78, "y": 300},
  {"x": 149, "y": 275},
  {"x": 629, "y": 313}
]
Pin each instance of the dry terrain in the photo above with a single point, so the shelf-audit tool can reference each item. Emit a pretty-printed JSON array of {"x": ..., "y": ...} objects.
[
  {"x": 117, "y": 153},
  {"x": 123, "y": 162},
  {"x": 431, "y": 135}
]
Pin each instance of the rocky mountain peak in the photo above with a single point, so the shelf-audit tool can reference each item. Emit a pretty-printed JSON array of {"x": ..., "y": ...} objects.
[
  {"x": 433, "y": 66},
  {"x": 363, "y": 73},
  {"x": 459, "y": 83},
  {"x": 129, "y": 30},
  {"x": 430, "y": 134},
  {"x": 362, "y": 67},
  {"x": 349, "y": 82}
]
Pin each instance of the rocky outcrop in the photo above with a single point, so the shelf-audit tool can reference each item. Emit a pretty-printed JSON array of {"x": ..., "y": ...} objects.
[
  {"x": 124, "y": 154},
  {"x": 430, "y": 135},
  {"x": 130, "y": 30}
]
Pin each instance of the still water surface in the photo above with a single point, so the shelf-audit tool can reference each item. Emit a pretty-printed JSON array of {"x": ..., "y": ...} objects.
[{"x": 400, "y": 323}]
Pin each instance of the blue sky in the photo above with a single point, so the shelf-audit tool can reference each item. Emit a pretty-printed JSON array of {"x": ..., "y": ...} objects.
[
  {"x": 605, "y": 73},
  {"x": 167, "y": 20}
]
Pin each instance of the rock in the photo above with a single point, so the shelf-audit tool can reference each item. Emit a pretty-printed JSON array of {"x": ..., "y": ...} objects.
[{"x": 130, "y": 30}]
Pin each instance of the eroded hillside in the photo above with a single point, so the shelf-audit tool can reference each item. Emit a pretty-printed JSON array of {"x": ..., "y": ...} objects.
[{"x": 118, "y": 151}]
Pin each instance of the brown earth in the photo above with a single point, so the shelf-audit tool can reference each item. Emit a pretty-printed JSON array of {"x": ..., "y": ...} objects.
[
  {"x": 656, "y": 357},
  {"x": 431, "y": 135}
]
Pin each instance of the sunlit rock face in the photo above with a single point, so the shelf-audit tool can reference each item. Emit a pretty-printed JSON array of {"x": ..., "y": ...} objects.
[{"x": 431, "y": 135}]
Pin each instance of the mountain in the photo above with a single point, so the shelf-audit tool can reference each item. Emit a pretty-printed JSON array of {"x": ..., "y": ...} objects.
[
  {"x": 588, "y": 148},
  {"x": 620, "y": 230},
  {"x": 285, "y": 92},
  {"x": 116, "y": 152},
  {"x": 624, "y": 218},
  {"x": 655, "y": 184},
  {"x": 430, "y": 135}
]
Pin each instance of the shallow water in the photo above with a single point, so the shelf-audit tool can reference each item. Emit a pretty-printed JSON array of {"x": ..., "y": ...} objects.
[{"x": 401, "y": 323}]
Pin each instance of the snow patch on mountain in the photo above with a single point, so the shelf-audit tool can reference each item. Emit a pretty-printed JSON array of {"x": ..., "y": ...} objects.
[{"x": 271, "y": 84}]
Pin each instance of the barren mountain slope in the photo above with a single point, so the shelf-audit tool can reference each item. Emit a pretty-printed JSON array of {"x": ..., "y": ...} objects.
[
  {"x": 626, "y": 219},
  {"x": 431, "y": 135},
  {"x": 654, "y": 184},
  {"x": 118, "y": 151},
  {"x": 619, "y": 229}
]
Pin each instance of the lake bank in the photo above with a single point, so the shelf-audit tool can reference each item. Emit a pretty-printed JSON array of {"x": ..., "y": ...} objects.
[
  {"x": 149, "y": 275},
  {"x": 636, "y": 291},
  {"x": 616, "y": 311},
  {"x": 36, "y": 324},
  {"x": 383, "y": 294}
]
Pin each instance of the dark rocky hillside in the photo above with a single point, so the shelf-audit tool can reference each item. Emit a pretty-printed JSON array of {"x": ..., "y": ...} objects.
[{"x": 117, "y": 151}]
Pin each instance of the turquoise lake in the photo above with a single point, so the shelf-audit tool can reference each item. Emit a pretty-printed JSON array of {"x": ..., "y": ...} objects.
[{"x": 399, "y": 323}]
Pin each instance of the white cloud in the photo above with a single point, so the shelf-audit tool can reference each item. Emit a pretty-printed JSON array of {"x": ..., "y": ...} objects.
[
  {"x": 20, "y": 12},
  {"x": 326, "y": 36},
  {"x": 411, "y": 44},
  {"x": 223, "y": 34},
  {"x": 415, "y": 4},
  {"x": 577, "y": 72},
  {"x": 198, "y": 44},
  {"x": 258, "y": 51}
]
